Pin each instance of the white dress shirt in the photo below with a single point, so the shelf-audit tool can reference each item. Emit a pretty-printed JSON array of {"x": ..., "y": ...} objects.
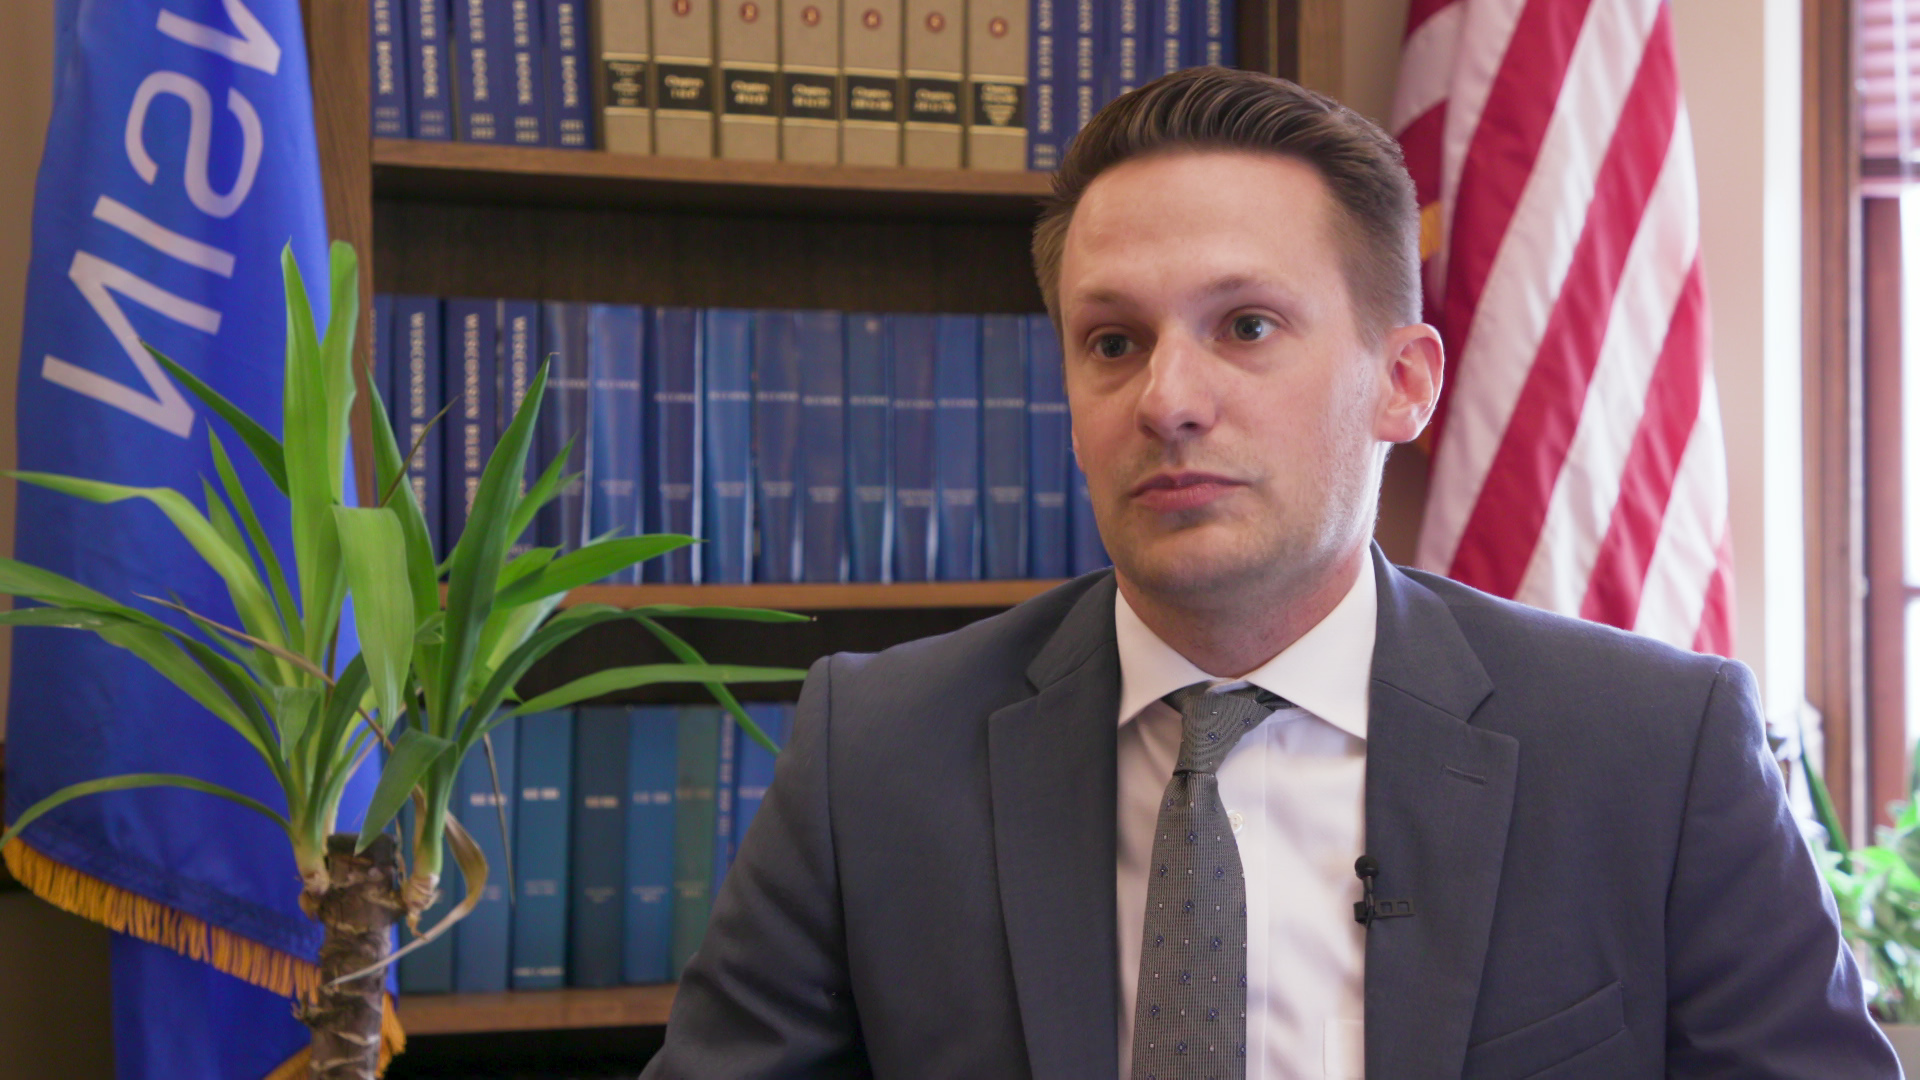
[{"x": 1294, "y": 789}]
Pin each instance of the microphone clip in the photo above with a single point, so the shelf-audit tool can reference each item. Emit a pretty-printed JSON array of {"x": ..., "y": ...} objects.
[{"x": 1367, "y": 909}]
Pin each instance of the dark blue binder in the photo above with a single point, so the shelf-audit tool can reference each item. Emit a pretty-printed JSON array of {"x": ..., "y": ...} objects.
[
  {"x": 525, "y": 112},
  {"x": 1210, "y": 41},
  {"x": 1088, "y": 61},
  {"x": 519, "y": 359},
  {"x": 723, "y": 799},
  {"x": 383, "y": 344},
  {"x": 482, "y": 69},
  {"x": 1166, "y": 44},
  {"x": 869, "y": 448},
  {"x": 726, "y": 556},
  {"x": 1003, "y": 445},
  {"x": 598, "y": 870},
  {"x": 429, "y": 70},
  {"x": 776, "y": 446},
  {"x": 1049, "y": 451},
  {"x": 823, "y": 446},
  {"x": 387, "y": 43},
  {"x": 1044, "y": 55},
  {"x": 569, "y": 102},
  {"x": 481, "y": 940},
  {"x": 429, "y": 969},
  {"x": 1088, "y": 553},
  {"x": 755, "y": 772},
  {"x": 471, "y": 349},
  {"x": 540, "y": 842},
  {"x": 1125, "y": 47},
  {"x": 418, "y": 396},
  {"x": 956, "y": 439},
  {"x": 915, "y": 487},
  {"x": 653, "y": 733},
  {"x": 672, "y": 430},
  {"x": 615, "y": 432},
  {"x": 563, "y": 417}
]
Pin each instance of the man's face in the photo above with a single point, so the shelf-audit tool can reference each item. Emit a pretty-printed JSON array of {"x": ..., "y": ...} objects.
[{"x": 1227, "y": 409}]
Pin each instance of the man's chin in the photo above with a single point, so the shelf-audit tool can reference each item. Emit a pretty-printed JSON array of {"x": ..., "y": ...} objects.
[{"x": 1191, "y": 566}]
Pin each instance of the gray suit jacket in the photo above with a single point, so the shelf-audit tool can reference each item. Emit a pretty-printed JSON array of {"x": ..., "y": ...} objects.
[{"x": 1607, "y": 879}]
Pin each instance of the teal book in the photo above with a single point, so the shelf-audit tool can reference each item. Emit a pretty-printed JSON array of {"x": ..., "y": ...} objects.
[
  {"x": 755, "y": 773},
  {"x": 652, "y": 759},
  {"x": 598, "y": 873},
  {"x": 429, "y": 969},
  {"x": 724, "y": 794},
  {"x": 540, "y": 838},
  {"x": 697, "y": 774},
  {"x": 480, "y": 941}
]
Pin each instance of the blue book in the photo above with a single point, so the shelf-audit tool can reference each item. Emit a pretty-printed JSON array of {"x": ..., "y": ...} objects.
[
  {"x": 727, "y": 555},
  {"x": 723, "y": 796},
  {"x": 564, "y": 47},
  {"x": 915, "y": 488},
  {"x": 869, "y": 447},
  {"x": 418, "y": 397},
  {"x": 653, "y": 735},
  {"x": 1088, "y": 553},
  {"x": 1126, "y": 49},
  {"x": 472, "y": 341},
  {"x": 1210, "y": 39},
  {"x": 1088, "y": 61},
  {"x": 755, "y": 772},
  {"x": 525, "y": 112},
  {"x": 956, "y": 444},
  {"x": 519, "y": 359},
  {"x": 598, "y": 871},
  {"x": 695, "y": 805},
  {"x": 563, "y": 420},
  {"x": 481, "y": 940},
  {"x": 429, "y": 969},
  {"x": 672, "y": 429},
  {"x": 541, "y": 843},
  {"x": 1003, "y": 445},
  {"x": 776, "y": 445},
  {"x": 1049, "y": 451},
  {"x": 387, "y": 41},
  {"x": 823, "y": 446},
  {"x": 482, "y": 69},
  {"x": 1044, "y": 39},
  {"x": 382, "y": 374},
  {"x": 1166, "y": 44},
  {"x": 429, "y": 71},
  {"x": 614, "y": 333}
]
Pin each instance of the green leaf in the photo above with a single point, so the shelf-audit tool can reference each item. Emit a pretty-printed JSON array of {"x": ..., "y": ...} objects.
[
  {"x": 163, "y": 656},
  {"x": 314, "y": 480},
  {"x": 129, "y": 782},
  {"x": 742, "y": 614},
  {"x": 589, "y": 564},
  {"x": 294, "y": 708},
  {"x": 687, "y": 654},
  {"x": 508, "y": 671},
  {"x": 262, "y": 548},
  {"x": 336, "y": 354},
  {"x": 626, "y": 678},
  {"x": 266, "y": 449},
  {"x": 23, "y": 579},
  {"x": 375, "y": 550},
  {"x": 63, "y": 617},
  {"x": 543, "y": 491},
  {"x": 391, "y": 471},
  {"x": 414, "y": 752}
]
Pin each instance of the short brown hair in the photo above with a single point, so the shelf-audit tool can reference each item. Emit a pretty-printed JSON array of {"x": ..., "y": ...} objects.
[{"x": 1214, "y": 108}]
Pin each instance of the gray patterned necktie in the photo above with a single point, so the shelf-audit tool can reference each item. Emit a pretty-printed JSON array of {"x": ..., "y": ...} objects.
[{"x": 1190, "y": 1015}]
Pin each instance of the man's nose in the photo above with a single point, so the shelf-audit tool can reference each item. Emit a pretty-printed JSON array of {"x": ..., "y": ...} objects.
[{"x": 1178, "y": 401}]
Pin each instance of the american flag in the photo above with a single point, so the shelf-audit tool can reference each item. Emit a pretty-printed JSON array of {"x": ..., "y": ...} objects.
[{"x": 1578, "y": 463}]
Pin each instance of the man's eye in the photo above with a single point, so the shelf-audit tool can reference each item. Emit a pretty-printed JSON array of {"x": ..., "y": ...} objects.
[
  {"x": 1111, "y": 346},
  {"x": 1251, "y": 327}
]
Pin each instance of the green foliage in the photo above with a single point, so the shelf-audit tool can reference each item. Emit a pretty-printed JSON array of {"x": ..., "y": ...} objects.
[
  {"x": 431, "y": 677},
  {"x": 1877, "y": 892}
]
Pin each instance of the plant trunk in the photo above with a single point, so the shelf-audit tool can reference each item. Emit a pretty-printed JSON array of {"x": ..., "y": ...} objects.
[{"x": 358, "y": 910}]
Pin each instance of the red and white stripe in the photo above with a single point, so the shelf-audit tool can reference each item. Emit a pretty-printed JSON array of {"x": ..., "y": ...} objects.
[{"x": 1578, "y": 462}]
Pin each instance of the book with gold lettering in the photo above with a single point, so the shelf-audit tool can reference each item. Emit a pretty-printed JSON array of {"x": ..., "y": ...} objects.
[
  {"x": 569, "y": 119},
  {"x": 810, "y": 98},
  {"x": 625, "y": 79},
  {"x": 997, "y": 84},
  {"x": 482, "y": 89},
  {"x": 871, "y": 41},
  {"x": 935, "y": 59},
  {"x": 1046, "y": 53},
  {"x": 683, "y": 94},
  {"x": 749, "y": 46}
]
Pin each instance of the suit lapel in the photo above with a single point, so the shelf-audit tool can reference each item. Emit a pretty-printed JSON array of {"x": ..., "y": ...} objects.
[
  {"x": 1051, "y": 761},
  {"x": 1439, "y": 796}
]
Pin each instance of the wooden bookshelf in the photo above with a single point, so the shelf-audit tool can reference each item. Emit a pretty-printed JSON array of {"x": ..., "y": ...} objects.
[
  {"x": 850, "y": 597},
  {"x": 536, "y": 1010}
]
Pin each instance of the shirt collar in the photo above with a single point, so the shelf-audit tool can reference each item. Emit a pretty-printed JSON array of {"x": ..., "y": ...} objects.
[{"x": 1327, "y": 671}]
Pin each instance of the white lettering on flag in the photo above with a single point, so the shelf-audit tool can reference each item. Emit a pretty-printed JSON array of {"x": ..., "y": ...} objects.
[{"x": 97, "y": 280}]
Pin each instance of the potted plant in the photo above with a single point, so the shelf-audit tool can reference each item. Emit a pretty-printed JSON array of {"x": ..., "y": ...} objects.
[{"x": 441, "y": 647}]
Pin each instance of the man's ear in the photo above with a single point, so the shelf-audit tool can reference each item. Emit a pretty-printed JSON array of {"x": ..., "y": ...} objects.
[{"x": 1415, "y": 361}]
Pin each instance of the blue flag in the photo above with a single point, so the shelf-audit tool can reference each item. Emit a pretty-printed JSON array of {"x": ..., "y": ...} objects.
[{"x": 179, "y": 162}]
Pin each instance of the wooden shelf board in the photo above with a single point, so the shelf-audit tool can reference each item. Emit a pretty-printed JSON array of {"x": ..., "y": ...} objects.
[
  {"x": 535, "y": 1010},
  {"x": 475, "y": 172},
  {"x": 932, "y": 594}
]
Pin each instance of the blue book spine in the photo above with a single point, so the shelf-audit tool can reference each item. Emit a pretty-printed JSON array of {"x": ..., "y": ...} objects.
[
  {"x": 1003, "y": 445},
  {"x": 1088, "y": 553},
  {"x": 869, "y": 448},
  {"x": 482, "y": 66},
  {"x": 429, "y": 969},
  {"x": 1044, "y": 54},
  {"x": 1049, "y": 451},
  {"x": 614, "y": 361},
  {"x": 653, "y": 732},
  {"x": 519, "y": 342},
  {"x": 1126, "y": 49},
  {"x": 383, "y": 348},
  {"x": 697, "y": 768},
  {"x": 563, "y": 422},
  {"x": 1210, "y": 37},
  {"x": 1088, "y": 60},
  {"x": 727, "y": 555},
  {"x": 598, "y": 872},
  {"x": 429, "y": 70},
  {"x": 956, "y": 438},
  {"x": 526, "y": 111},
  {"x": 472, "y": 340},
  {"x": 755, "y": 772},
  {"x": 776, "y": 446},
  {"x": 672, "y": 428},
  {"x": 481, "y": 940},
  {"x": 723, "y": 796},
  {"x": 387, "y": 42},
  {"x": 1166, "y": 43},
  {"x": 419, "y": 397},
  {"x": 540, "y": 840},
  {"x": 569, "y": 121},
  {"x": 823, "y": 446},
  {"x": 915, "y": 489}
]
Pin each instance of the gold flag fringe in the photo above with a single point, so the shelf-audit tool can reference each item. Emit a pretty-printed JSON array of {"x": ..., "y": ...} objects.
[{"x": 149, "y": 920}]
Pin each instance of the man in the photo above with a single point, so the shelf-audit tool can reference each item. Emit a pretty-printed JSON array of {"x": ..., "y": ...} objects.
[{"x": 1115, "y": 831}]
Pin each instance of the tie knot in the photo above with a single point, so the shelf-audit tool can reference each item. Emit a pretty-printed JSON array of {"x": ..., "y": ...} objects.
[{"x": 1210, "y": 724}]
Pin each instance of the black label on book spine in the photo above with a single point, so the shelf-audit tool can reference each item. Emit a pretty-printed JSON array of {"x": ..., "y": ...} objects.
[
  {"x": 811, "y": 95},
  {"x": 684, "y": 86},
  {"x": 933, "y": 101},
  {"x": 999, "y": 105},
  {"x": 627, "y": 84},
  {"x": 748, "y": 92},
  {"x": 873, "y": 97}
]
